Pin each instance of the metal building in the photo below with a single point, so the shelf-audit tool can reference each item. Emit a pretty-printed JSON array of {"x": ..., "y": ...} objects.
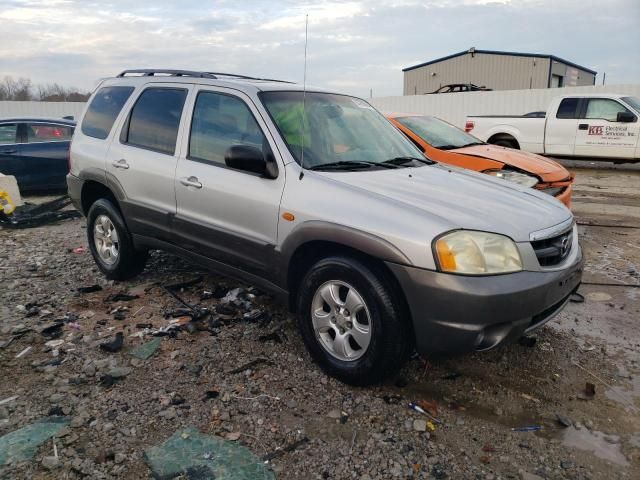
[{"x": 497, "y": 71}]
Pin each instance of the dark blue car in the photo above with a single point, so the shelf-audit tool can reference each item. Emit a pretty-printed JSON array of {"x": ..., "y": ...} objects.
[{"x": 36, "y": 151}]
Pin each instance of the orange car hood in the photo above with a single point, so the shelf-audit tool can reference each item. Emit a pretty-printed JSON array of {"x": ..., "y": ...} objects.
[{"x": 545, "y": 168}]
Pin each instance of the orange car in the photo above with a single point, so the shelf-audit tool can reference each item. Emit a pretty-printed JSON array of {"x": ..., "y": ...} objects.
[{"x": 442, "y": 142}]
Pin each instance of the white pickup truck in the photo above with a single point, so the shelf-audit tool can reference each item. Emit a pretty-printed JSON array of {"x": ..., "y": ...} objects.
[{"x": 598, "y": 126}]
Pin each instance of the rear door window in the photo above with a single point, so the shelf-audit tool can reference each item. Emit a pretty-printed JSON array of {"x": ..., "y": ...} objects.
[
  {"x": 8, "y": 132},
  {"x": 219, "y": 122},
  {"x": 155, "y": 118},
  {"x": 48, "y": 132},
  {"x": 104, "y": 110},
  {"x": 568, "y": 108}
]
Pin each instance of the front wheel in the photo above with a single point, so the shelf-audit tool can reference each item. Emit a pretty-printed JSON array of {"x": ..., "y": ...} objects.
[
  {"x": 110, "y": 242},
  {"x": 351, "y": 321}
]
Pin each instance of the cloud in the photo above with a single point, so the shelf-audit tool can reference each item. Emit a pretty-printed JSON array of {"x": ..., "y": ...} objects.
[{"x": 354, "y": 46}]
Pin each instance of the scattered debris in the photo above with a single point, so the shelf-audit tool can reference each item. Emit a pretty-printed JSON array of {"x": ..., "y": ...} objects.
[
  {"x": 146, "y": 350},
  {"x": 90, "y": 289},
  {"x": 286, "y": 449},
  {"x": 576, "y": 297},
  {"x": 23, "y": 352},
  {"x": 52, "y": 331},
  {"x": 271, "y": 337},
  {"x": 419, "y": 409},
  {"x": 114, "y": 345},
  {"x": 22, "y": 444},
  {"x": 30, "y": 216},
  {"x": 78, "y": 250},
  {"x": 589, "y": 389},
  {"x": 247, "y": 366},
  {"x": 120, "y": 297},
  {"x": 210, "y": 394},
  {"x": 564, "y": 421},
  {"x": 8, "y": 400},
  {"x": 527, "y": 428},
  {"x": 197, "y": 456}
]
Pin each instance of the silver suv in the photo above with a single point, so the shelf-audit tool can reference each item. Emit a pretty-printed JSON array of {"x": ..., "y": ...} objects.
[{"x": 315, "y": 197}]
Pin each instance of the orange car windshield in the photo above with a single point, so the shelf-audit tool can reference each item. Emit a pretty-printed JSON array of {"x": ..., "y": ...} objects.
[{"x": 437, "y": 133}]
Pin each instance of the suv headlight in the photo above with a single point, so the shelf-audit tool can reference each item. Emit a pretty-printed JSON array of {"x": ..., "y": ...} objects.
[
  {"x": 513, "y": 176},
  {"x": 470, "y": 252}
]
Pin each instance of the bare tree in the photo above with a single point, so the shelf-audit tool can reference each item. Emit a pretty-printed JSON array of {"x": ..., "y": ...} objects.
[{"x": 22, "y": 89}]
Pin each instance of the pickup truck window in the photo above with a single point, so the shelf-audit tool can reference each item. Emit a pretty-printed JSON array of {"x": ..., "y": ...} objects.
[
  {"x": 437, "y": 133},
  {"x": 604, "y": 108},
  {"x": 634, "y": 102},
  {"x": 568, "y": 108},
  {"x": 337, "y": 128}
]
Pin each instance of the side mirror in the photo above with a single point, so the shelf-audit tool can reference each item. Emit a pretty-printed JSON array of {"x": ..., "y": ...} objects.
[
  {"x": 250, "y": 159},
  {"x": 626, "y": 117}
]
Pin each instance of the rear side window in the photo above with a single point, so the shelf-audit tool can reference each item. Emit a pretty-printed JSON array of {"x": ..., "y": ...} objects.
[
  {"x": 568, "y": 108},
  {"x": 8, "y": 133},
  {"x": 155, "y": 118},
  {"x": 104, "y": 110},
  {"x": 219, "y": 122},
  {"x": 45, "y": 132}
]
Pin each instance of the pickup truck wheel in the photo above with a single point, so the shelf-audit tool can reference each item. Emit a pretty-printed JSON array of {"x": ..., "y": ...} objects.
[
  {"x": 110, "y": 242},
  {"x": 351, "y": 322},
  {"x": 506, "y": 143}
]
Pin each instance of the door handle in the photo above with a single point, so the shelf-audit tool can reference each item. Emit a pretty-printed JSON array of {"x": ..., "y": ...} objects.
[
  {"x": 11, "y": 150},
  {"x": 190, "y": 182},
  {"x": 583, "y": 126},
  {"x": 122, "y": 163}
]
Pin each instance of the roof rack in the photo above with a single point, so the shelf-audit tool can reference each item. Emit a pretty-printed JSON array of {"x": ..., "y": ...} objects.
[
  {"x": 150, "y": 72},
  {"x": 246, "y": 77}
]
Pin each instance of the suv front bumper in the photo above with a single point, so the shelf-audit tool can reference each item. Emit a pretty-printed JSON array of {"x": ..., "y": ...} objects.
[{"x": 455, "y": 313}]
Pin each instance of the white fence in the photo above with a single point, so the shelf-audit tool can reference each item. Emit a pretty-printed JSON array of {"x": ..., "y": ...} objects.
[
  {"x": 41, "y": 109},
  {"x": 454, "y": 107}
]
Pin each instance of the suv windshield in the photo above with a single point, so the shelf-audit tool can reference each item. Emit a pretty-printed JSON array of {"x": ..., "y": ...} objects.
[
  {"x": 340, "y": 132},
  {"x": 437, "y": 133}
]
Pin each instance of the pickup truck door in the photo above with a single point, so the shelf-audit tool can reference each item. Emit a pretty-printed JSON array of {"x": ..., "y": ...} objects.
[
  {"x": 560, "y": 127},
  {"x": 227, "y": 215},
  {"x": 600, "y": 134}
]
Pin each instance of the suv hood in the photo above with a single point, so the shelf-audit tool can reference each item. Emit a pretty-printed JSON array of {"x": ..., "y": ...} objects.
[
  {"x": 461, "y": 198},
  {"x": 545, "y": 168}
]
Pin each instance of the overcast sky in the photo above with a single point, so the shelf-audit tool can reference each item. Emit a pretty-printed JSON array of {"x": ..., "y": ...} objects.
[{"x": 354, "y": 46}]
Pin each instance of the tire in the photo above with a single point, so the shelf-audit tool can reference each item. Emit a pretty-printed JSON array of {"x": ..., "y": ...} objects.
[
  {"x": 504, "y": 142},
  {"x": 390, "y": 338},
  {"x": 124, "y": 261}
]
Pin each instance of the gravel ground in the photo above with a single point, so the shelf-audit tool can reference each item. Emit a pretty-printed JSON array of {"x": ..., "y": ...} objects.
[{"x": 246, "y": 376}]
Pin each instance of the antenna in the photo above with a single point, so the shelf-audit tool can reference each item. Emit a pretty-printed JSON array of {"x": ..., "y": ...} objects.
[{"x": 304, "y": 94}]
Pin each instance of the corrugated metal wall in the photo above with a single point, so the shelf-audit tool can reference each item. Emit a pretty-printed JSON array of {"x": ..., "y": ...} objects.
[
  {"x": 41, "y": 109},
  {"x": 499, "y": 72},
  {"x": 454, "y": 107}
]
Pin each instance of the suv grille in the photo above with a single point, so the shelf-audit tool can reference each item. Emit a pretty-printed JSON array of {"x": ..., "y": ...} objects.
[{"x": 551, "y": 251}]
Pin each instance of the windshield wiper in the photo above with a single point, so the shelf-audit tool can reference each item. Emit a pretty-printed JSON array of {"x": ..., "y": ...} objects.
[
  {"x": 446, "y": 147},
  {"x": 472, "y": 144},
  {"x": 404, "y": 160},
  {"x": 350, "y": 164}
]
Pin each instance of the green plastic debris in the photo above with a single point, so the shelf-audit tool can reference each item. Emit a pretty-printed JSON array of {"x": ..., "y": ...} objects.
[
  {"x": 22, "y": 444},
  {"x": 146, "y": 350},
  {"x": 202, "y": 457}
]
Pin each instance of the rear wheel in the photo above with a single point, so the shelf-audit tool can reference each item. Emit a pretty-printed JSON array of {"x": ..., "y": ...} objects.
[
  {"x": 505, "y": 142},
  {"x": 351, "y": 322},
  {"x": 110, "y": 242}
]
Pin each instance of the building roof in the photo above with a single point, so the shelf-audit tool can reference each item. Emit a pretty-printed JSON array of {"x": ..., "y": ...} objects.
[{"x": 497, "y": 52}]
